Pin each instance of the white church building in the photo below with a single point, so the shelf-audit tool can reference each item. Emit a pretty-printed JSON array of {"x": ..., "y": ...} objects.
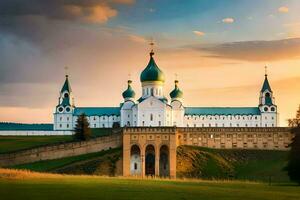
[{"x": 154, "y": 109}]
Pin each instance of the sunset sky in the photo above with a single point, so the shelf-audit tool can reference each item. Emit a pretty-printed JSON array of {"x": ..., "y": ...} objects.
[{"x": 218, "y": 48}]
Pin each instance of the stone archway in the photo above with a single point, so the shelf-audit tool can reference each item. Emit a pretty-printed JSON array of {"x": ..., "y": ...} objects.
[
  {"x": 135, "y": 160},
  {"x": 164, "y": 161},
  {"x": 150, "y": 160}
]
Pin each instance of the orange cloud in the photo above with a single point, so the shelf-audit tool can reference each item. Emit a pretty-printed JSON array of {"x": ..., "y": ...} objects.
[
  {"x": 256, "y": 50},
  {"x": 228, "y": 20},
  {"x": 199, "y": 33},
  {"x": 283, "y": 9},
  {"x": 91, "y": 14},
  {"x": 136, "y": 38}
]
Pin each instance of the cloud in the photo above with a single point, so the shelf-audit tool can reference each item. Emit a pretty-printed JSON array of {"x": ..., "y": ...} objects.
[
  {"x": 92, "y": 11},
  {"x": 283, "y": 9},
  {"x": 256, "y": 50},
  {"x": 199, "y": 33},
  {"x": 137, "y": 38},
  {"x": 92, "y": 14},
  {"x": 228, "y": 20}
]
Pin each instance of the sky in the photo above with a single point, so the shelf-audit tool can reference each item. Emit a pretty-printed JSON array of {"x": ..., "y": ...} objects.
[{"x": 217, "y": 48}]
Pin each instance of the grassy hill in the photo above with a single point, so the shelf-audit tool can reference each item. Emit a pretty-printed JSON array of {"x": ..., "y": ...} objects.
[
  {"x": 16, "y": 143},
  {"x": 192, "y": 162},
  {"x": 238, "y": 164},
  {"x": 15, "y": 185},
  {"x": 100, "y": 163}
]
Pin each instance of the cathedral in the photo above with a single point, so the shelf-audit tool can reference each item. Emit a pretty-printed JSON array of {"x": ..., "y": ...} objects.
[{"x": 154, "y": 109}]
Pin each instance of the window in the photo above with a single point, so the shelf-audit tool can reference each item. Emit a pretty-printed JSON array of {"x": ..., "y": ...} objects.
[
  {"x": 267, "y": 94},
  {"x": 159, "y": 123},
  {"x": 209, "y": 125},
  {"x": 128, "y": 123},
  {"x": 67, "y": 125},
  {"x": 60, "y": 118},
  {"x": 60, "y": 125},
  {"x": 266, "y": 109},
  {"x": 135, "y": 166},
  {"x": 143, "y": 123},
  {"x": 272, "y": 109},
  {"x": 151, "y": 117},
  {"x": 68, "y": 118},
  {"x": 128, "y": 116},
  {"x": 103, "y": 125},
  {"x": 94, "y": 125}
]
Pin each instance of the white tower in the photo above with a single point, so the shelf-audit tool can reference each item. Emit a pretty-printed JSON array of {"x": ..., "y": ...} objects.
[
  {"x": 177, "y": 106},
  {"x": 267, "y": 105},
  {"x": 63, "y": 115}
]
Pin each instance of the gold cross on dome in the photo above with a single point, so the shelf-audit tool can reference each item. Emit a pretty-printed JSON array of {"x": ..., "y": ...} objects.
[{"x": 151, "y": 44}]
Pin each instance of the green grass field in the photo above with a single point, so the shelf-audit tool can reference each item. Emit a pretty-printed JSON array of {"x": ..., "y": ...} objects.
[
  {"x": 88, "y": 188},
  {"x": 261, "y": 165},
  {"x": 192, "y": 162},
  {"x": 15, "y": 143},
  {"x": 56, "y": 164}
]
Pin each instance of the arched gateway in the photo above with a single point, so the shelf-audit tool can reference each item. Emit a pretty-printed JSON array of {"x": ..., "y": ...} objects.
[{"x": 149, "y": 152}]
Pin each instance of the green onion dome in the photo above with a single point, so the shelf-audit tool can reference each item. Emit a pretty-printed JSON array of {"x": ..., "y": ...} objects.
[
  {"x": 152, "y": 72},
  {"x": 129, "y": 93},
  {"x": 176, "y": 93}
]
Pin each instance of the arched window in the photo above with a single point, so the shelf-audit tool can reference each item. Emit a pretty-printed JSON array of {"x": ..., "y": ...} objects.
[{"x": 135, "y": 166}]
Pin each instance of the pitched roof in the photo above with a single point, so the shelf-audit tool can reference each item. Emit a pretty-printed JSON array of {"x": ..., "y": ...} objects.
[
  {"x": 222, "y": 111},
  {"x": 5, "y": 126},
  {"x": 66, "y": 86},
  {"x": 266, "y": 85},
  {"x": 97, "y": 111}
]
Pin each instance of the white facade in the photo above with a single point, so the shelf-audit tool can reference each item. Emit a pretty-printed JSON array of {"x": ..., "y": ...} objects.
[{"x": 153, "y": 109}]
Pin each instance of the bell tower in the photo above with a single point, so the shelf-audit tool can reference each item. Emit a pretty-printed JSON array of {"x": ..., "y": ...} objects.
[
  {"x": 63, "y": 115},
  {"x": 267, "y": 105}
]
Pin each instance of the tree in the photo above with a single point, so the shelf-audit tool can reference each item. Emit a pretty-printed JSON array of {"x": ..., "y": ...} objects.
[
  {"x": 82, "y": 129},
  {"x": 293, "y": 166}
]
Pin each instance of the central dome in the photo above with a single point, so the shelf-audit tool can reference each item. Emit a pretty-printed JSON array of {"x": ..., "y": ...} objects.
[{"x": 152, "y": 72}]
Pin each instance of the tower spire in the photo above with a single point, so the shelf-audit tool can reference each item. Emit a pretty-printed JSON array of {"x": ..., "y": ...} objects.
[
  {"x": 66, "y": 71},
  {"x": 266, "y": 70}
]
